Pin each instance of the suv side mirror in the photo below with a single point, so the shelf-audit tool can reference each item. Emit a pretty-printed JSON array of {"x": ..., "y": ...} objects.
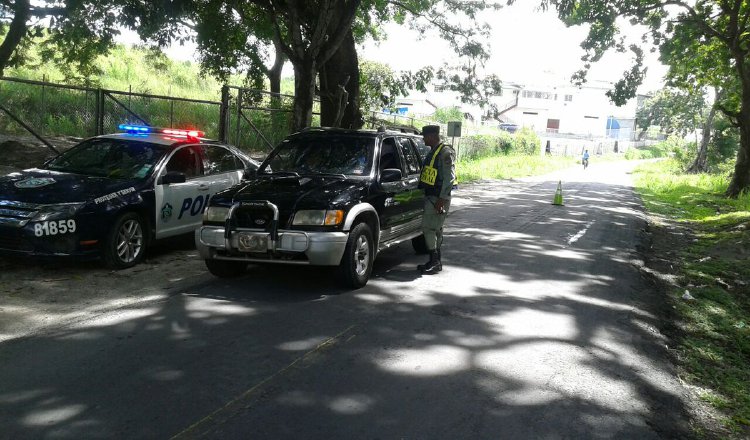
[
  {"x": 390, "y": 175},
  {"x": 249, "y": 173},
  {"x": 173, "y": 177}
]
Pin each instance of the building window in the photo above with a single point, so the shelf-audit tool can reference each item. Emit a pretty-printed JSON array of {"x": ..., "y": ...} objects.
[
  {"x": 568, "y": 98},
  {"x": 553, "y": 124}
]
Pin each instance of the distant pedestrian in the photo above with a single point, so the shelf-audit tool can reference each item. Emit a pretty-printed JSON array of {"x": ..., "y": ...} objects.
[
  {"x": 437, "y": 178},
  {"x": 585, "y": 159}
]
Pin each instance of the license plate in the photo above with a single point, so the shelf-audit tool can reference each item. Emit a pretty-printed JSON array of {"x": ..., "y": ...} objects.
[{"x": 250, "y": 242}]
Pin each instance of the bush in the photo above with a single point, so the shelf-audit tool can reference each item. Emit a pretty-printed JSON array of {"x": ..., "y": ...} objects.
[
  {"x": 483, "y": 145},
  {"x": 525, "y": 141}
]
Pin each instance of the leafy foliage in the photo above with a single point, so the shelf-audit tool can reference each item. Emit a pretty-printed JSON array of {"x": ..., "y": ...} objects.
[
  {"x": 674, "y": 110},
  {"x": 705, "y": 43}
]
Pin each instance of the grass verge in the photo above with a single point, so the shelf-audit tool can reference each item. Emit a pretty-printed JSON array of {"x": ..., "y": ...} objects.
[
  {"x": 506, "y": 167},
  {"x": 714, "y": 340}
]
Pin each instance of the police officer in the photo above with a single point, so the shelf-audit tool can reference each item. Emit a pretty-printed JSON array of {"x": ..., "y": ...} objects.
[{"x": 437, "y": 178}]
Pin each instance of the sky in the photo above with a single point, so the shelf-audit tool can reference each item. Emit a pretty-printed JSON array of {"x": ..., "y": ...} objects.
[{"x": 528, "y": 46}]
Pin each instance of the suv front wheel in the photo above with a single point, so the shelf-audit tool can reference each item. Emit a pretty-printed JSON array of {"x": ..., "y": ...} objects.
[{"x": 356, "y": 264}]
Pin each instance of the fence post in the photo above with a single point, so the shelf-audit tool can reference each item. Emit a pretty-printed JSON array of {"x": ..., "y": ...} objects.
[
  {"x": 224, "y": 113},
  {"x": 99, "y": 112}
]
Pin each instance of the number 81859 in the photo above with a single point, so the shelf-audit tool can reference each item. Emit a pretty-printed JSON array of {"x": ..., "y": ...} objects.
[{"x": 54, "y": 227}]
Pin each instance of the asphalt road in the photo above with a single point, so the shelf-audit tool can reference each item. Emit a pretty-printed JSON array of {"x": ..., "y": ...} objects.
[{"x": 539, "y": 326}]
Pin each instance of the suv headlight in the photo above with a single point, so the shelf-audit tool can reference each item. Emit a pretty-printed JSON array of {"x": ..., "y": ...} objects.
[
  {"x": 215, "y": 214},
  {"x": 318, "y": 217},
  {"x": 58, "y": 211}
]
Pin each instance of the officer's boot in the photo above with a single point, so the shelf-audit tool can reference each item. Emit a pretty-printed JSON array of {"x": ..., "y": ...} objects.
[
  {"x": 433, "y": 266},
  {"x": 439, "y": 260}
]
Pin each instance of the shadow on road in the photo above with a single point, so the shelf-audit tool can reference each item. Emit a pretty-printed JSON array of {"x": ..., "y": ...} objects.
[{"x": 539, "y": 327}]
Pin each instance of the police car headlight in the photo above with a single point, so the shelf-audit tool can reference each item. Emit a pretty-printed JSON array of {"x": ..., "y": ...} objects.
[
  {"x": 215, "y": 214},
  {"x": 318, "y": 217},
  {"x": 57, "y": 212}
]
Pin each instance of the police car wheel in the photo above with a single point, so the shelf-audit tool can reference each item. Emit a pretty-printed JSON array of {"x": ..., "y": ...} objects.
[
  {"x": 226, "y": 269},
  {"x": 126, "y": 242},
  {"x": 356, "y": 264},
  {"x": 419, "y": 245}
]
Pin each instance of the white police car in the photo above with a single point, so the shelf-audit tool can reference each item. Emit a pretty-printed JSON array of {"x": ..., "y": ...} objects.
[{"x": 110, "y": 195}]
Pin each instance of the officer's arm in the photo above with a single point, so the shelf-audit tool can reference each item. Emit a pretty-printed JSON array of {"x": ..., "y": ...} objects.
[{"x": 448, "y": 173}]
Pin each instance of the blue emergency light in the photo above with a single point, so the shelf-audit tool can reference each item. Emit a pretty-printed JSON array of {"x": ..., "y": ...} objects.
[{"x": 134, "y": 128}]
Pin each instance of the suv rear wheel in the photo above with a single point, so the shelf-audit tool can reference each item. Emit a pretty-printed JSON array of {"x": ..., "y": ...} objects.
[{"x": 356, "y": 264}]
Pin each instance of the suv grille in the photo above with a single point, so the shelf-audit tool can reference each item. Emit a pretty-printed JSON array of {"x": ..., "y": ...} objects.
[{"x": 252, "y": 217}]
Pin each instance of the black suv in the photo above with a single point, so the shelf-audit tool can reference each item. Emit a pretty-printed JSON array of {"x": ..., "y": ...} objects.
[{"x": 327, "y": 197}]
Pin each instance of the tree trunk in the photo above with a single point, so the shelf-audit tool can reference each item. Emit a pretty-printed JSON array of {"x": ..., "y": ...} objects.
[
  {"x": 741, "y": 178},
  {"x": 700, "y": 164},
  {"x": 16, "y": 32},
  {"x": 305, "y": 73},
  {"x": 274, "y": 73},
  {"x": 341, "y": 70}
]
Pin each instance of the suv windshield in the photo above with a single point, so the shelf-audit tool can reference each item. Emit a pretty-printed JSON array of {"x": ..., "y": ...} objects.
[
  {"x": 347, "y": 155},
  {"x": 114, "y": 158}
]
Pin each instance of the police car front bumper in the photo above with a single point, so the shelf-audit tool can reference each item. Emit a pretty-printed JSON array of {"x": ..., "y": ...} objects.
[{"x": 291, "y": 247}]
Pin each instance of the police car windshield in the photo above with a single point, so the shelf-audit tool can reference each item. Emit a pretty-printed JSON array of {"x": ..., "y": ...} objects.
[
  {"x": 329, "y": 155},
  {"x": 113, "y": 158}
]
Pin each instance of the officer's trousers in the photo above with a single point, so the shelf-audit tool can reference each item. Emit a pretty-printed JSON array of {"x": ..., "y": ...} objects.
[{"x": 432, "y": 222}]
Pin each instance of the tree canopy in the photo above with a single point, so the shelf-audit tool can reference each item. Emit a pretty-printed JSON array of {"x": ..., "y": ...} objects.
[{"x": 704, "y": 43}]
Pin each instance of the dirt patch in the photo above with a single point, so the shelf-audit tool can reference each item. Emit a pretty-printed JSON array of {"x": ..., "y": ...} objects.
[
  {"x": 37, "y": 296},
  {"x": 21, "y": 152}
]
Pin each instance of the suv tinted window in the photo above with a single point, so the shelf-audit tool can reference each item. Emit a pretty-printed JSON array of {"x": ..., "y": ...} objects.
[
  {"x": 389, "y": 155},
  {"x": 412, "y": 162},
  {"x": 422, "y": 149},
  {"x": 349, "y": 155}
]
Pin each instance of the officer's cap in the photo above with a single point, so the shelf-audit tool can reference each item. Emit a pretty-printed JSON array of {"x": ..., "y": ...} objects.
[{"x": 430, "y": 129}]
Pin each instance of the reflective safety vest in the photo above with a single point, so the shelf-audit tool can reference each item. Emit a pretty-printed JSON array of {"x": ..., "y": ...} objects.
[{"x": 429, "y": 172}]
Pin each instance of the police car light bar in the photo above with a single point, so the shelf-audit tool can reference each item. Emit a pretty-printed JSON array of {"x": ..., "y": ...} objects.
[{"x": 175, "y": 132}]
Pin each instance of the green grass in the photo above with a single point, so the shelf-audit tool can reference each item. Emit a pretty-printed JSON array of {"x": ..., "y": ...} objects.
[
  {"x": 714, "y": 348},
  {"x": 510, "y": 166}
]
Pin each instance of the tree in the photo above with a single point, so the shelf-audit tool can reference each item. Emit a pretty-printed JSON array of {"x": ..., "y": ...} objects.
[
  {"x": 73, "y": 32},
  {"x": 705, "y": 43},
  {"x": 448, "y": 114}
]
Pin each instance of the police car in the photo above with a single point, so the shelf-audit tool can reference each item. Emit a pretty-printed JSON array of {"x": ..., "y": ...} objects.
[{"x": 111, "y": 195}]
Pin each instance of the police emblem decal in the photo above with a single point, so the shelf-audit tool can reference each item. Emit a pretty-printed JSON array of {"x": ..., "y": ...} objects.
[
  {"x": 166, "y": 212},
  {"x": 34, "y": 182}
]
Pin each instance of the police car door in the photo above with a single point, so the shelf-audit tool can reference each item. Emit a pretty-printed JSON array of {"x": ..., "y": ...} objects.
[
  {"x": 179, "y": 206},
  {"x": 223, "y": 167}
]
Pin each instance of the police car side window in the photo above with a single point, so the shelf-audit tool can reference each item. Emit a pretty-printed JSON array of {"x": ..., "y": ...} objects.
[
  {"x": 221, "y": 160},
  {"x": 412, "y": 163},
  {"x": 187, "y": 160}
]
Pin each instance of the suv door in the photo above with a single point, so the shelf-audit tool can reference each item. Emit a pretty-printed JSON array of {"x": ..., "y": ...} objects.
[
  {"x": 179, "y": 206},
  {"x": 412, "y": 200},
  {"x": 394, "y": 212}
]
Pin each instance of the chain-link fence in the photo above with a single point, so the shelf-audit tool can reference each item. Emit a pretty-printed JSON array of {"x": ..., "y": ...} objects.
[{"x": 254, "y": 120}]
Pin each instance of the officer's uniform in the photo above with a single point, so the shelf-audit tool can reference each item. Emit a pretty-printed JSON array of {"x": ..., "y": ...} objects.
[{"x": 437, "y": 179}]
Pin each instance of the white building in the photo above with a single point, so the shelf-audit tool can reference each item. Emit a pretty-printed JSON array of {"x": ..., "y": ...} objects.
[{"x": 560, "y": 112}]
